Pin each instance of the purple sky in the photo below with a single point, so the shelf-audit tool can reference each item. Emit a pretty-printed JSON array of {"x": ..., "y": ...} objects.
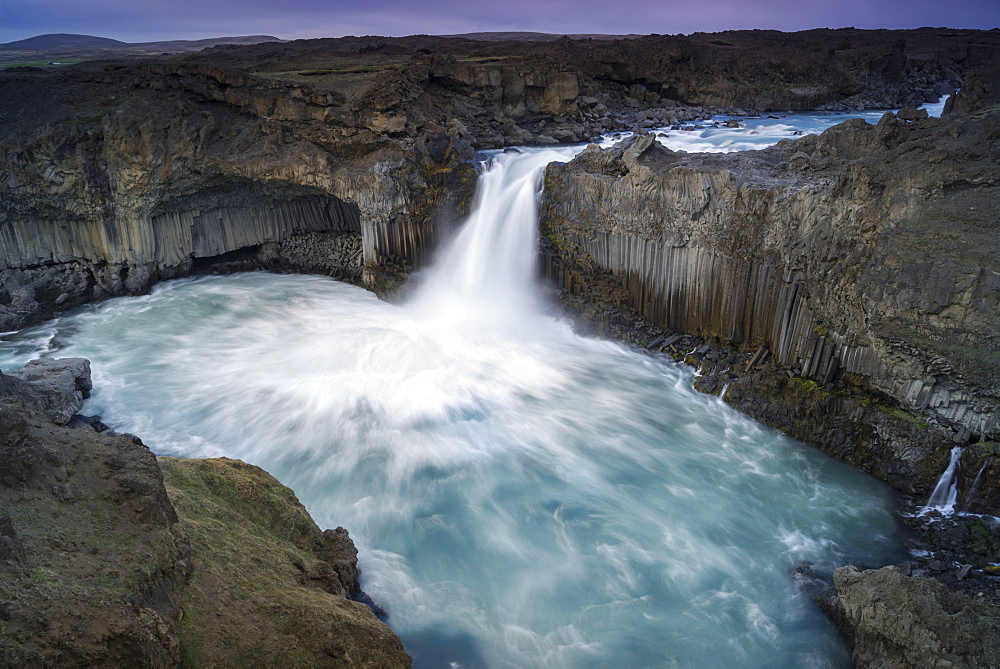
[{"x": 143, "y": 20}]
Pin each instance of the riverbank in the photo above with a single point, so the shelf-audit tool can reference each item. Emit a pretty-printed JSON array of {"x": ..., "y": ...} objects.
[
  {"x": 610, "y": 214},
  {"x": 110, "y": 556}
]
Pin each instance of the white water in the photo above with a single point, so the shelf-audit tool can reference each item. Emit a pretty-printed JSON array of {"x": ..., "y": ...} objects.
[
  {"x": 944, "y": 497},
  {"x": 485, "y": 278},
  {"x": 521, "y": 496},
  {"x": 711, "y": 136}
]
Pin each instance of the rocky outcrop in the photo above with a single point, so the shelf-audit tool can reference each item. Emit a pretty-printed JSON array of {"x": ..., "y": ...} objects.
[
  {"x": 102, "y": 563},
  {"x": 56, "y": 387},
  {"x": 979, "y": 478},
  {"x": 894, "y": 620},
  {"x": 864, "y": 257},
  {"x": 92, "y": 558},
  {"x": 195, "y": 164},
  {"x": 267, "y": 587}
]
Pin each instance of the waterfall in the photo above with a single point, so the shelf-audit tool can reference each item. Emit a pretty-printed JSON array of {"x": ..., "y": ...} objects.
[
  {"x": 520, "y": 496},
  {"x": 945, "y": 494},
  {"x": 485, "y": 277}
]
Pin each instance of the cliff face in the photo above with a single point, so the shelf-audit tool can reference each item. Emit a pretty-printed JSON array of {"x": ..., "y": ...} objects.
[
  {"x": 107, "y": 560},
  {"x": 864, "y": 256},
  {"x": 194, "y": 165},
  {"x": 349, "y": 156}
]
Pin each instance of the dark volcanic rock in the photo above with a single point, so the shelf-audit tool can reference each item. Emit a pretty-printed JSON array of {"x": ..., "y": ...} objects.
[
  {"x": 873, "y": 277},
  {"x": 56, "y": 387},
  {"x": 90, "y": 554}
]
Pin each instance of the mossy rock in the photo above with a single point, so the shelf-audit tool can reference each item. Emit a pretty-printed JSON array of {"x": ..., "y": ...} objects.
[{"x": 267, "y": 588}]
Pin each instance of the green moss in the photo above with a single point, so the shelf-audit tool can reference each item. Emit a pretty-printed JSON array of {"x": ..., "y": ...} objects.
[
  {"x": 900, "y": 414},
  {"x": 806, "y": 385},
  {"x": 482, "y": 59},
  {"x": 249, "y": 601}
]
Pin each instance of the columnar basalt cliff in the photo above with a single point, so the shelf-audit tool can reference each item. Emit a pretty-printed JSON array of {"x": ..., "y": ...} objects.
[
  {"x": 194, "y": 166},
  {"x": 116, "y": 175},
  {"x": 865, "y": 255}
]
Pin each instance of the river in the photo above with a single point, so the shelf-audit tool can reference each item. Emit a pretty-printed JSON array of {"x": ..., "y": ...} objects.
[{"x": 521, "y": 496}]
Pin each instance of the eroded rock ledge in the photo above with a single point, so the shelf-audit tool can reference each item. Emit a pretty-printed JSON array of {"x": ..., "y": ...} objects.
[{"x": 109, "y": 557}]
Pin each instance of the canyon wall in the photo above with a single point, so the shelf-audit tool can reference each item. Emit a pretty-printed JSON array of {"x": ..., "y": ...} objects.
[
  {"x": 864, "y": 256},
  {"x": 190, "y": 165},
  {"x": 294, "y": 156}
]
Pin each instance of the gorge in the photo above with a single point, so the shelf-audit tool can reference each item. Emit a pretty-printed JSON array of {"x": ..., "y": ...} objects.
[{"x": 826, "y": 237}]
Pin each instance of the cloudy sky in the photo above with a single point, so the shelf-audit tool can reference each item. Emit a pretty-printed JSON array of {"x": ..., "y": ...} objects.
[{"x": 148, "y": 20}]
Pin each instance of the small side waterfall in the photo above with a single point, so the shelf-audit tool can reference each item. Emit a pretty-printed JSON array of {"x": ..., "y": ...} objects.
[
  {"x": 970, "y": 498},
  {"x": 945, "y": 495}
]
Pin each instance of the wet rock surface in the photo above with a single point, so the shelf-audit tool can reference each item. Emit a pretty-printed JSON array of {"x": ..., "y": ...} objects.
[{"x": 98, "y": 568}]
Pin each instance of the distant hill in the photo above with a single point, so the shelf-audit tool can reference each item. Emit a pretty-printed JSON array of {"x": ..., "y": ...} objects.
[
  {"x": 62, "y": 41},
  {"x": 67, "y": 42},
  {"x": 535, "y": 37}
]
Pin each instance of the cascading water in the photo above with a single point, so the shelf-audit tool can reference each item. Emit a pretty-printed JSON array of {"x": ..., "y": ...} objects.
[
  {"x": 520, "y": 495},
  {"x": 486, "y": 277},
  {"x": 970, "y": 498},
  {"x": 944, "y": 497}
]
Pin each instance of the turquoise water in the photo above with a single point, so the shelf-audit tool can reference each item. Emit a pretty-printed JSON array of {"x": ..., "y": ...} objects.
[
  {"x": 521, "y": 496},
  {"x": 534, "y": 499}
]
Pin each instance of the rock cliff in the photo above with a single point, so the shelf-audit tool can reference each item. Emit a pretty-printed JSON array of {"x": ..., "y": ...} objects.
[
  {"x": 102, "y": 563},
  {"x": 895, "y": 620},
  {"x": 350, "y": 156},
  {"x": 267, "y": 588},
  {"x": 863, "y": 257},
  {"x": 194, "y": 166}
]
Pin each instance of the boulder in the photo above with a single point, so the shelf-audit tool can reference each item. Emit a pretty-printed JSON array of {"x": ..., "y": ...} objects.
[
  {"x": 55, "y": 386},
  {"x": 903, "y": 621},
  {"x": 911, "y": 114}
]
